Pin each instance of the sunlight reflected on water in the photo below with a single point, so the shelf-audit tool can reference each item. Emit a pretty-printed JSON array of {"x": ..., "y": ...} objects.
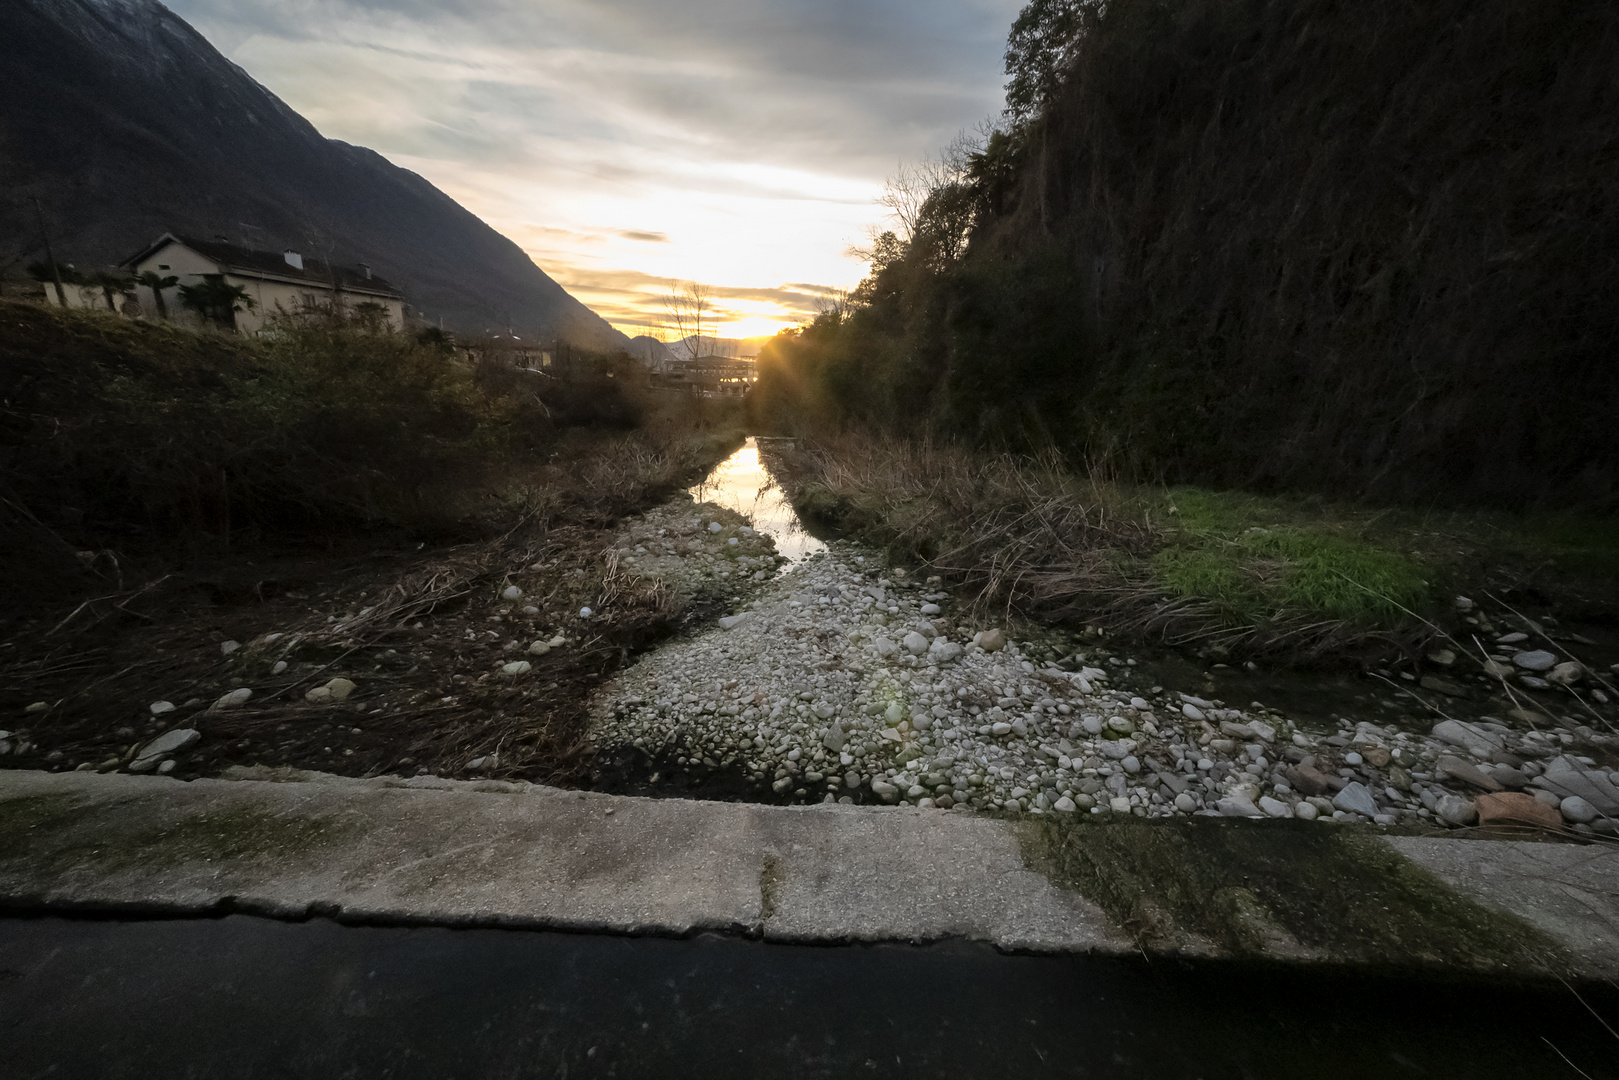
[{"x": 743, "y": 484}]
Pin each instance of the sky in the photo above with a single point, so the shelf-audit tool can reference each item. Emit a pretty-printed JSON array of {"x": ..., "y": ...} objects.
[{"x": 629, "y": 143}]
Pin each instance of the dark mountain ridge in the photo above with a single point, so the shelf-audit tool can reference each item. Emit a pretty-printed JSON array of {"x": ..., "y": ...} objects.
[{"x": 125, "y": 123}]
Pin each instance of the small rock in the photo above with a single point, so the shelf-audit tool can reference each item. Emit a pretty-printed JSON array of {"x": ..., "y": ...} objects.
[
  {"x": 165, "y": 745},
  {"x": 1456, "y": 809},
  {"x": 1305, "y": 811},
  {"x": 1442, "y": 657},
  {"x": 1465, "y": 771},
  {"x": 280, "y": 666},
  {"x": 1121, "y": 725},
  {"x": 341, "y": 688},
  {"x": 731, "y": 622},
  {"x": 1273, "y": 807},
  {"x": 585, "y": 613},
  {"x": 1462, "y": 604},
  {"x": 1192, "y": 712},
  {"x": 1131, "y": 764},
  {"x": 166, "y": 766},
  {"x": 1235, "y": 805},
  {"x": 38, "y": 706},
  {"x": 915, "y": 643},
  {"x": 228, "y": 647},
  {"x": 158, "y": 708},
  {"x": 1566, "y": 674},
  {"x": 834, "y": 739},
  {"x": 1469, "y": 737},
  {"x": 1512, "y": 638},
  {"x": 235, "y": 698},
  {"x": 516, "y": 667},
  {"x": 1443, "y": 686},
  {"x": 990, "y": 640},
  {"x": 1355, "y": 799},
  {"x": 931, "y": 609},
  {"x": 714, "y": 527},
  {"x": 885, "y": 647},
  {"x": 1577, "y": 810},
  {"x": 1306, "y": 779},
  {"x": 1185, "y": 803},
  {"x": 1236, "y": 730},
  {"x": 539, "y": 648},
  {"x": 1120, "y": 804},
  {"x": 1064, "y": 805},
  {"x": 1537, "y": 660},
  {"x": 511, "y": 592},
  {"x": 884, "y": 790}
]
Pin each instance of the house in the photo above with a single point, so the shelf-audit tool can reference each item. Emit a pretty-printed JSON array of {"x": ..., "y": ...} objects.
[{"x": 279, "y": 285}]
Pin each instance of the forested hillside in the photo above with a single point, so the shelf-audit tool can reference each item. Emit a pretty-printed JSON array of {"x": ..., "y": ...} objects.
[{"x": 1370, "y": 248}]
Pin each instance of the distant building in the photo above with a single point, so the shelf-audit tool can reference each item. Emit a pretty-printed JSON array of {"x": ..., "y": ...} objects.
[{"x": 284, "y": 284}]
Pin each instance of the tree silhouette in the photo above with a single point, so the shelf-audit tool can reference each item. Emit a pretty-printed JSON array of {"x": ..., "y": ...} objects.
[
  {"x": 111, "y": 285},
  {"x": 157, "y": 283},
  {"x": 216, "y": 299}
]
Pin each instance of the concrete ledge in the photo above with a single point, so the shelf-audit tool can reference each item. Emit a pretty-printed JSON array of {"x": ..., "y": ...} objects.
[
  {"x": 529, "y": 856},
  {"x": 487, "y": 853}
]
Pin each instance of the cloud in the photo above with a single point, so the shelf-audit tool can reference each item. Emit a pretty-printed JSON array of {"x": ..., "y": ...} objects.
[{"x": 734, "y": 141}]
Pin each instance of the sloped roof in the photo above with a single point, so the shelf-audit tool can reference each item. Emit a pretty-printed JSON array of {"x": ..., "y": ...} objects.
[{"x": 251, "y": 262}]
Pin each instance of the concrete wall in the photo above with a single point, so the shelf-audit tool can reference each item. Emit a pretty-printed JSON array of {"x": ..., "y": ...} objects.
[{"x": 271, "y": 299}]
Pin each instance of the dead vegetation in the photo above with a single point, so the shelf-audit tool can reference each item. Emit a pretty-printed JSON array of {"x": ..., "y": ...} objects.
[
  {"x": 1031, "y": 537},
  {"x": 338, "y": 504}
]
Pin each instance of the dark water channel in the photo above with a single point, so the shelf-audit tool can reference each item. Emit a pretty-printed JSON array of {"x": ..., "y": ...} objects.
[{"x": 251, "y": 998}]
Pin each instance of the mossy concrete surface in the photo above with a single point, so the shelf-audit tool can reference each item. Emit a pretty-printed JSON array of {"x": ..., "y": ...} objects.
[{"x": 432, "y": 851}]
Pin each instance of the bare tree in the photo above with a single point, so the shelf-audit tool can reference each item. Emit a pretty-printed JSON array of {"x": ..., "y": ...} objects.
[{"x": 687, "y": 306}]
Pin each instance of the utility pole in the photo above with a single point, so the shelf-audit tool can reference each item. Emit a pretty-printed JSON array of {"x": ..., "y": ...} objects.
[{"x": 45, "y": 234}]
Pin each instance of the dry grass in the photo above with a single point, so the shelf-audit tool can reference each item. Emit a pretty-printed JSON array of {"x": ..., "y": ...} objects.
[{"x": 1033, "y": 538}]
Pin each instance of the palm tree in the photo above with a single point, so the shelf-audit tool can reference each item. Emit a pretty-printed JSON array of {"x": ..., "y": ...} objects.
[
  {"x": 157, "y": 283},
  {"x": 111, "y": 285},
  {"x": 215, "y": 298}
]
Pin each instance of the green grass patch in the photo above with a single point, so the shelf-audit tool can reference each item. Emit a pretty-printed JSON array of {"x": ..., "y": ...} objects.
[{"x": 1252, "y": 558}]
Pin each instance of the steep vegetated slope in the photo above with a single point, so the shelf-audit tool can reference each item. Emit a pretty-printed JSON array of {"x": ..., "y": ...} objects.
[
  {"x": 1369, "y": 249},
  {"x": 125, "y": 123}
]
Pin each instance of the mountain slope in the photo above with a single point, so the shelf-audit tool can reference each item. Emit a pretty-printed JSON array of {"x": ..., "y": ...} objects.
[{"x": 125, "y": 123}]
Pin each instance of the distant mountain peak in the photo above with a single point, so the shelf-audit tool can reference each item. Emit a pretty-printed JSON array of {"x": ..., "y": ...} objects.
[{"x": 134, "y": 126}]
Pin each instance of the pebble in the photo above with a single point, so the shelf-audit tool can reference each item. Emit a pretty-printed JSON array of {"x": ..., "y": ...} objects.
[
  {"x": 1355, "y": 799},
  {"x": 1456, "y": 809},
  {"x": 158, "y": 708},
  {"x": 511, "y": 592},
  {"x": 165, "y": 745},
  {"x": 516, "y": 667},
  {"x": 1577, "y": 810},
  {"x": 234, "y": 699},
  {"x": 1536, "y": 660}
]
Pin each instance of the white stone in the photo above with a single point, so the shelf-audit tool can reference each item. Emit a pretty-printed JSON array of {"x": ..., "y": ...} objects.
[
  {"x": 931, "y": 609},
  {"x": 158, "y": 708},
  {"x": 1577, "y": 810},
  {"x": 165, "y": 745},
  {"x": 280, "y": 666},
  {"x": 1456, "y": 809},
  {"x": 1273, "y": 807},
  {"x": 1305, "y": 811},
  {"x": 517, "y": 667},
  {"x": 511, "y": 592},
  {"x": 585, "y": 613},
  {"x": 539, "y": 648},
  {"x": 1355, "y": 799},
  {"x": 1185, "y": 803},
  {"x": 915, "y": 643},
  {"x": 1191, "y": 712},
  {"x": 235, "y": 698},
  {"x": 228, "y": 647},
  {"x": 1119, "y": 804},
  {"x": 1535, "y": 660}
]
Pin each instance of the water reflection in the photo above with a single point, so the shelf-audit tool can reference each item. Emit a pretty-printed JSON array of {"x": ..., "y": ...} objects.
[{"x": 742, "y": 483}]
